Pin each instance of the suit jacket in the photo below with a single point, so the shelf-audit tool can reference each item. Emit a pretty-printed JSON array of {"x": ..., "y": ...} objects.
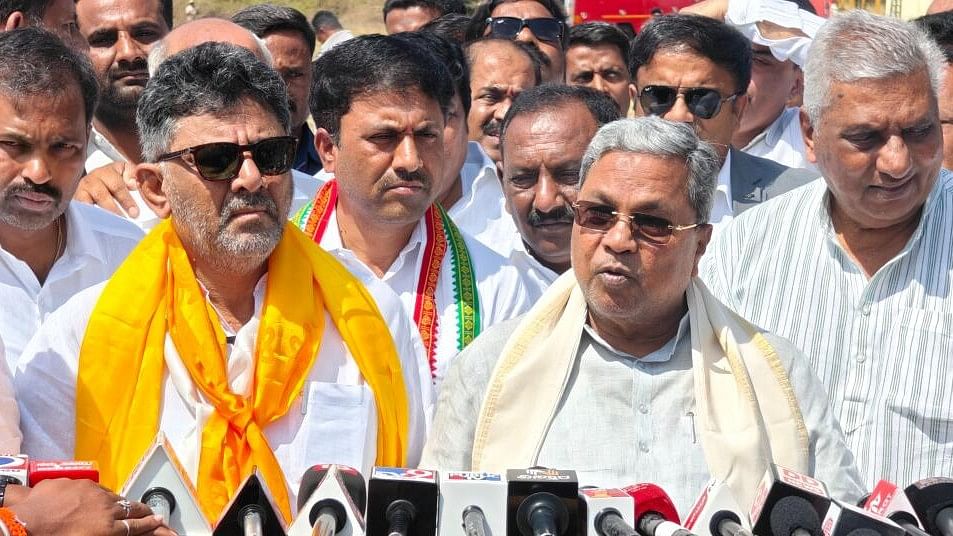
[{"x": 754, "y": 180}]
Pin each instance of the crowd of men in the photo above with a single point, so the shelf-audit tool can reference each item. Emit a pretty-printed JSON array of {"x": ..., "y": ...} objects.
[{"x": 479, "y": 242}]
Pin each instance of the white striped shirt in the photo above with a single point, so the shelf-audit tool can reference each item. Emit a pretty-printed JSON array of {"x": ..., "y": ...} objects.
[{"x": 883, "y": 346}]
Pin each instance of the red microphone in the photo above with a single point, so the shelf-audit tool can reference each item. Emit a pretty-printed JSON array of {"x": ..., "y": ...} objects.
[{"x": 655, "y": 513}]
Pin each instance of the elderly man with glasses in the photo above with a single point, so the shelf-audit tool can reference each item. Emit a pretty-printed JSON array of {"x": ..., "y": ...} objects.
[
  {"x": 226, "y": 329},
  {"x": 540, "y": 24},
  {"x": 630, "y": 343},
  {"x": 694, "y": 69}
]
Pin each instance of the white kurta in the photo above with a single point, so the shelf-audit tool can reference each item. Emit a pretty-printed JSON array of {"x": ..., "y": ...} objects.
[
  {"x": 502, "y": 292},
  {"x": 96, "y": 244},
  {"x": 333, "y": 421}
]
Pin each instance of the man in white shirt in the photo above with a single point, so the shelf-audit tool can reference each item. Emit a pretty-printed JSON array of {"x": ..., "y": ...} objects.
[
  {"x": 627, "y": 369},
  {"x": 855, "y": 269},
  {"x": 114, "y": 185},
  {"x": 696, "y": 70},
  {"x": 226, "y": 329},
  {"x": 328, "y": 30},
  {"x": 382, "y": 139},
  {"x": 50, "y": 248},
  {"x": 542, "y": 140}
]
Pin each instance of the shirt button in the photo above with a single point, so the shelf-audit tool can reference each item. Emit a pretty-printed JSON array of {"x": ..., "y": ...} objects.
[
  {"x": 643, "y": 409},
  {"x": 861, "y": 358},
  {"x": 865, "y": 309},
  {"x": 643, "y": 446}
]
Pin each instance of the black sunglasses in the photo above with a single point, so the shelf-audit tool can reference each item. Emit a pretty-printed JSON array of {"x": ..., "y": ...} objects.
[
  {"x": 508, "y": 27},
  {"x": 648, "y": 228},
  {"x": 222, "y": 160},
  {"x": 702, "y": 102}
]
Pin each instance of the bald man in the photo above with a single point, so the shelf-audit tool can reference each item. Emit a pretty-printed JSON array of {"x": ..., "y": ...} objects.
[{"x": 113, "y": 185}]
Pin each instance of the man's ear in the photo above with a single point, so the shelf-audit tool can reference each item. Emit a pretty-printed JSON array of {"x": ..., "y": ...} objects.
[
  {"x": 634, "y": 99},
  {"x": 14, "y": 20},
  {"x": 326, "y": 148},
  {"x": 499, "y": 171},
  {"x": 149, "y": 178},
  {"x": 704, "y": 238},
  {"x": 796, "y": 98},
  {"x": 807, "y": 131}
]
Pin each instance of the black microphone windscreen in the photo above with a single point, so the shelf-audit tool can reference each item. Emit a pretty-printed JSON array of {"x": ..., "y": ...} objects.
[{"x": 792, "y": 513}]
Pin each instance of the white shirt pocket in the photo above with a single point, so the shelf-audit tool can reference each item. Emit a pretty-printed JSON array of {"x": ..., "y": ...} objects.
[{"x": 336, "y": 423}]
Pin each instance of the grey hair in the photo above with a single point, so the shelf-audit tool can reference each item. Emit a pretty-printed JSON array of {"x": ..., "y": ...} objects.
[
  {"x": 655, "y": 136},
  {"x": 158, "y": 54},
  {"x": 211, "y": 78},
  {"x": 856, "y": 45}
]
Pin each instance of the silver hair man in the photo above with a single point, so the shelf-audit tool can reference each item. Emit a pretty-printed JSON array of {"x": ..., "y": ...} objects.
[
  {"x": 655, "y": 136},
  {"x": 842, "y": 52}
]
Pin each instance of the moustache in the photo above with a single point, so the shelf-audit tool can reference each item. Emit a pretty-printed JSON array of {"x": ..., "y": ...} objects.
[
  {"x": 135, "y": 67},
  {"x": 491, "y": 127},
  {"x": 29, "y": 187},
  {"x": 391, "y": 181},
  {"x": 255, "y": 200},
  {"x": 560, "y": 215}
]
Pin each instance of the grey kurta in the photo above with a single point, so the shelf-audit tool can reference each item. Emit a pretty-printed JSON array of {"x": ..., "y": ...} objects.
[{"x": 624, "y": 420}]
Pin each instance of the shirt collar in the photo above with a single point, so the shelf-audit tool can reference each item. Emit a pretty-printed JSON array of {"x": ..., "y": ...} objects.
[
  {"x": 772, "y": 134},
  {"x": 98, "y": 142},
  {"x": 477, "y": 169},
  {"x": 80, "y": 240},
  {"x": 662, "y": 355},
  {"x": 724, "y": 177},
  {"x": 332, "y": 241}
]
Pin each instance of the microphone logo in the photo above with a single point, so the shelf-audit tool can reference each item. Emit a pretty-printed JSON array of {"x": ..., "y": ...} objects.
[
  {"x": 398, "y": 473},
  {"x": 542, "y": 473},
  {"x": 465, "y": 475},
  {"x": 798, "y": 480}
]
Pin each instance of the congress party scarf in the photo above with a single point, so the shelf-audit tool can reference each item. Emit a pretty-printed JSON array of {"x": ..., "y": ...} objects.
[
  {"x": 442, "y": 234},
  {"x": 155, "y": 292}
]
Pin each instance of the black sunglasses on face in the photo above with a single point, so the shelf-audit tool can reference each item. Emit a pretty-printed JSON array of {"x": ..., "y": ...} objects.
[
  {"x": 508, "y": 27},
  {"x": 702, "y": 102},
  {"x": 645, "y": 227},
  {"x": 222, "y": 160}
]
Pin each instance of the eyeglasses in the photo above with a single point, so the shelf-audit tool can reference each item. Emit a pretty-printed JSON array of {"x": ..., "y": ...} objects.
[
  {"x": 702, "y": 102},
  {"x": 221, "y": 161},
  {"x": 508, "y": 27},
  {"x": 601, "y": 218}
]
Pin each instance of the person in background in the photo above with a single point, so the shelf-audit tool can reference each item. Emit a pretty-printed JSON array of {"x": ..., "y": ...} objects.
[
  {"x": 939, "y": 26},
  {"x": 411, "y": 15},
  {"x": 328, "y": 30},
  {"x": 538, "y": 23},
  {"x": 57, "y": 16},
  {"x": 597, "y": 57}
]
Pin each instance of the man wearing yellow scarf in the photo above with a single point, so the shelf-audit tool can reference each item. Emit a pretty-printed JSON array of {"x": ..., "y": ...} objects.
[
  {"x": 226, "y": 328},
  {"x": 627, "y": 369}
]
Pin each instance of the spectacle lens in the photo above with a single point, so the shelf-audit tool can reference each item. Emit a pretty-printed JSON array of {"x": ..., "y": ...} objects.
[
  {"x": 602, "y": 218},
  {"x": 702, "y": 102},
  {"x": 545, "y": 29},
  {"x": 221, "y": 161}
]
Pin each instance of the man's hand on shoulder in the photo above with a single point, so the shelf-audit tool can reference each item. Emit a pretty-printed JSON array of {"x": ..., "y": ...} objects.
[
  {"x": 108, "y": 187},
  {"x": 65, "y": 507}
]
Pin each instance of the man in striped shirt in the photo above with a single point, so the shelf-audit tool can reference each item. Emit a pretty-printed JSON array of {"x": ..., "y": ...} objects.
[{"x": 855, "y": 269}]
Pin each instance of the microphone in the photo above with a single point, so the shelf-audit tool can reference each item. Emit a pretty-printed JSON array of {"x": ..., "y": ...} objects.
[
  {"x": 73, "y": 470},
  {"x": 541, "y": 502},
  {"x": 717, "y": 512},
  {"x": 160, "y": 482},
  {"x": 608, "y": 512},
  {"x": 788, "y": 503},
  {"x": 888, "y": 500},
  {"x": 251, "y": 512},
  {"x": 655, "y": 513},
  {"x": 402, "y": 502},
  {"x": 472, "y": 504},
  {"x": 331, "y": 500},
  {"x": 932, "y": 499},
  {"x": 15, "y": 469},
  {"x": 848, "y": 520}
]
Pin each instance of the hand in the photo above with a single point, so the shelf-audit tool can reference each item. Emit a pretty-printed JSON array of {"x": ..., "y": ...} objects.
[
  {"x": 715, "y": 9},
  {"x": 65, "y": 507},
  {"x": 108, "y": 187}
]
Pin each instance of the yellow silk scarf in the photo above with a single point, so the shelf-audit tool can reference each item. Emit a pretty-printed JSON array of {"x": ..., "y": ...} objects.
[{"x": 119, "y": 385}]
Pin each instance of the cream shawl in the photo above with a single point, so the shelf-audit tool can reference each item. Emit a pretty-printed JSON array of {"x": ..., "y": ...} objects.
[{"x": 747, "y": 413}]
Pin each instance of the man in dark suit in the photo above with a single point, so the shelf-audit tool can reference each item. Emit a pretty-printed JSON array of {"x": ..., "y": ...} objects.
[{"x": 696, "y": 70}]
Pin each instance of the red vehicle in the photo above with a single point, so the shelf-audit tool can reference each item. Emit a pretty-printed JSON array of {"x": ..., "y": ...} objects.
[{"x": 626, "y": 14}]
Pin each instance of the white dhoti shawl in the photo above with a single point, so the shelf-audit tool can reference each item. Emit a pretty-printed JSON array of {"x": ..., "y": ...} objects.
[{"x": 746, "y": 412}]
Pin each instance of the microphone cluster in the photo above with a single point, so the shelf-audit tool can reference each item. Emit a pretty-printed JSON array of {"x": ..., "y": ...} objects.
[{"x": 335, "y": 500}]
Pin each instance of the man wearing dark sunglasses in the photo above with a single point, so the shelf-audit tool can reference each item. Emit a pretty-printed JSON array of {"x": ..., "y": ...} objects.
[
  {"x": 694, "y": 69},
  {"x": 630, "y": 343},
  {"x": 226, "y": 329},
  {"x": 539, "y": 23}
]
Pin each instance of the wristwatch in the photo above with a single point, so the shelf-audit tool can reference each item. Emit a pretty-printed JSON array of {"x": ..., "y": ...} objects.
[{"x": 4, "y": 480}]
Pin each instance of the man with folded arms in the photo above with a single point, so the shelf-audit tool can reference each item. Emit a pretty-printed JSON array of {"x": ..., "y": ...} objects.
[
  {"x": 382, "y": 138},
  {"x": 226, "y": 328},
  {"x": 636, "y": 373}
]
